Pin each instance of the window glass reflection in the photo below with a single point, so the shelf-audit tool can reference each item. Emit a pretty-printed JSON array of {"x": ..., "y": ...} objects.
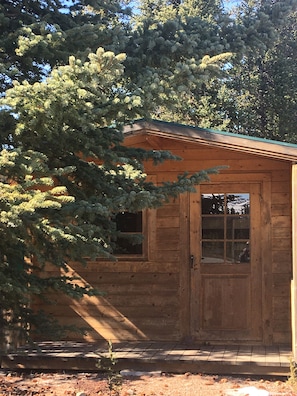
[
  {"x": 213, "y": 203},
  {"x": 213, "y": 227},
  {"x": 212, "y": 252},
  {"x": 238, "y": 227},
  {"x": 129, "y": 236},
  {"x": 244, "y": 255},
  {"x": 237, "y": 252},
  {"x": 238, "y": 203},
  {"x": 129, "y": 222}
]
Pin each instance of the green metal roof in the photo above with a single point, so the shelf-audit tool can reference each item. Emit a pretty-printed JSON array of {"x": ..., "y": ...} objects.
[{"x": 219, "y": 132}]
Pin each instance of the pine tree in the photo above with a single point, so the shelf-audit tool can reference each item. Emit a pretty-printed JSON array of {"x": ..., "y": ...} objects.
[
  {"x": 190, "y": 37},
  {"x": 65, "y": 173},
  {"x": 254, "y": 92},
  {"x": 262, "y": 82}
]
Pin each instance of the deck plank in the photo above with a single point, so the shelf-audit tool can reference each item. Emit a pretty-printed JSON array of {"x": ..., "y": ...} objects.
[
  {"x": 230, "y": 354},
  {"x": 147, "y": 356},
  {"x": 285, "y": 356},
  {"x": 258, "y": 355},
  {"x": 272, "y": 357},
  {"x": 244, "y": 354},
  {"x": 217, "y": 354}
]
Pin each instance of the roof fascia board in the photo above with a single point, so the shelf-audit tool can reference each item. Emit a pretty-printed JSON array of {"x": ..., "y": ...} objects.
[{"x": 215, "y": 139}]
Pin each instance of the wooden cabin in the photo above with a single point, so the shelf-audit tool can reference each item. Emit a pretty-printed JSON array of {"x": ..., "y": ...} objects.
[{"x": 215, "y": 266}]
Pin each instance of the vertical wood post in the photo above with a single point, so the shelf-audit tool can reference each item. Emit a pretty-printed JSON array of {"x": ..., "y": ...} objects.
[{"x": 294, "y": 263}]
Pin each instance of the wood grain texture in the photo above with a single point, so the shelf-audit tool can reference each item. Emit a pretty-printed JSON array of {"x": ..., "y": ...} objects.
[{"x": 154, "y": 298}]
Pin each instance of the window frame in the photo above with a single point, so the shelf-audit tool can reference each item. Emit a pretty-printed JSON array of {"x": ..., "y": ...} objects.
[
  {"x": 148, "y": 232},
  {"x": 144, "y": 254}
]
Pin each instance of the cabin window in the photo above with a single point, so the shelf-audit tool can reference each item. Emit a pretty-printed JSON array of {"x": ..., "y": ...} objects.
[
  {"x": 129, "y": 225},
  {"x": 225, "y": 228}
]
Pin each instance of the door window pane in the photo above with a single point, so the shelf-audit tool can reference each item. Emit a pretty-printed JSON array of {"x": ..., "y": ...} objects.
[
  {"x": 213, "y": 227},
  {"x": 212, "y": 252},
  {"x": 238, "y": 203},
  {"x": 244, "y": 254},
  {"x": 237, "y": 252},
  {"x": 225, "y": 228},
  {"x": 213, "y": 204},
  {"x": 238, "y": 227}
]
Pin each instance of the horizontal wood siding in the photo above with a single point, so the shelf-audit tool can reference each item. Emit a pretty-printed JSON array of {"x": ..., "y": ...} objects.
[
  {"x": 281, "y": 223},
  {"x": 143, "y": 299},
  {"x": 140, "y": 298}
]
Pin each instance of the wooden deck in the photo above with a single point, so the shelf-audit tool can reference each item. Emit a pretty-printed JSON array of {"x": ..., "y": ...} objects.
[{"x": 148, "y": 356}]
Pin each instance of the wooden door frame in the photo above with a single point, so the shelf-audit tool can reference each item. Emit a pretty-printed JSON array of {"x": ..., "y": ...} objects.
[
  {"x": 185, "y": 274},
  {"x": 188, "y": 228}
]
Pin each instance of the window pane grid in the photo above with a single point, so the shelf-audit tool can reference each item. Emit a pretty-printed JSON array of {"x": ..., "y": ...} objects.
[{"x": 225, "y": 228}]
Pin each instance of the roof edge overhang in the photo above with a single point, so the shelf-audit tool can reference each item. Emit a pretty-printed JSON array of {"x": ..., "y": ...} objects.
[{"x": 226, "y": 140}]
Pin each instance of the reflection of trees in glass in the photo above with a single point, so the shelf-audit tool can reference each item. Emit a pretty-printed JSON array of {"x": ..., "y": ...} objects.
[
  {"x": 213, "y": 203},
  {"x": 238, "y": 204},
  {"x": 225, "y": 203}
]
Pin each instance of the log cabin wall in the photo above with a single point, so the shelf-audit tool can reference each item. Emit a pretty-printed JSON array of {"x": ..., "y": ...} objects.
[{"x": 149, "y": 298}]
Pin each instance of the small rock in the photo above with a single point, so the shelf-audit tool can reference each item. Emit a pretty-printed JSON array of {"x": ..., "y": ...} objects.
[
  {"x": 129, "y": 392},
  {"x": 81, "y": 394},
  {"x": 247, "y": 391},
  {"x": 133, "y": 373}
]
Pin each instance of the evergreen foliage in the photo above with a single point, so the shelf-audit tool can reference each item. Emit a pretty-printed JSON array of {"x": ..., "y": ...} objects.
[
  {"x": 64, "y": 171},
  {"x": 255, "y": 91},
  {"x": 262, "y": 84}
]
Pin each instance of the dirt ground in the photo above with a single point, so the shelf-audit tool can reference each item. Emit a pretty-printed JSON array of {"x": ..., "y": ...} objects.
[{"x": 140, "y": 384}]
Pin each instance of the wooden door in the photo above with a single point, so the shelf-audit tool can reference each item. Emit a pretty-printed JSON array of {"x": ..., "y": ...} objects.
[{"x": 225, "y": 243}]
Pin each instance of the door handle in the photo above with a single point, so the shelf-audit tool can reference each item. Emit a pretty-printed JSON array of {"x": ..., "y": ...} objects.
[{"x": 192, "y": 261}]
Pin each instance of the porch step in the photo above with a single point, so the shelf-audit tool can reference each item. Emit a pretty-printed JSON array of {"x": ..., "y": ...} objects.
[{"x": 152, "y": 356}]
